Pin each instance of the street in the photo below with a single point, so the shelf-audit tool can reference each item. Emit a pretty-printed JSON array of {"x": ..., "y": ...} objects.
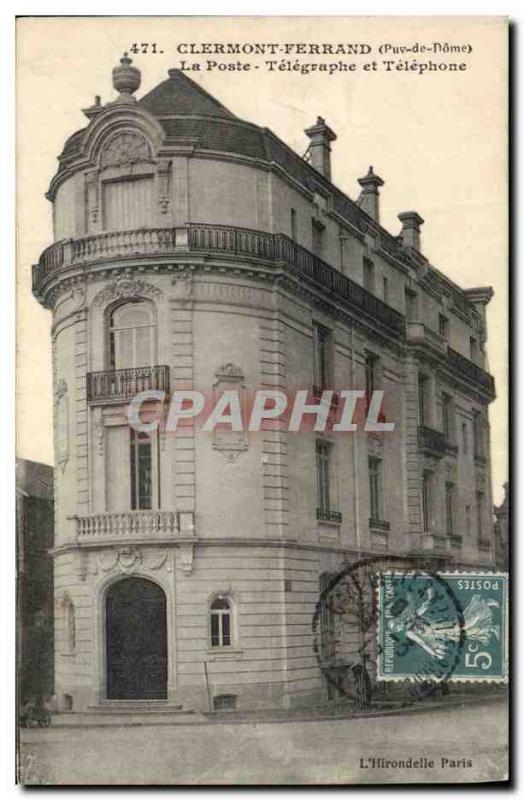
[{"x": 473, "y": 739}]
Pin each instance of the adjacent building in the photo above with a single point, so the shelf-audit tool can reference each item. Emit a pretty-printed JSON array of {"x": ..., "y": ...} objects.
[{"x": 194, "y": 250}]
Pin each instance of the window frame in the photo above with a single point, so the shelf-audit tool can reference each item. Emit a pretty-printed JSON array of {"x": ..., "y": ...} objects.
[
  {"x": 376, "y": 488},
  {"x": 219, "y": 614},
  {"x": 111, "y": 330},
  {"x": 322, "y": 355},
  {"x": 150, "y": 441},
  {"x": 323, "y": 450}
]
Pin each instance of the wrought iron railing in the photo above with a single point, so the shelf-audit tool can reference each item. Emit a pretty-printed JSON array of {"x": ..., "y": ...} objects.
[
  {"x": 326, "y": 515},
  {"x": 430, "y": 439},
  {"x": 471, "y": 370},
  {"x": 123, "y": 384},
  {"x": 379, "y": 524}
]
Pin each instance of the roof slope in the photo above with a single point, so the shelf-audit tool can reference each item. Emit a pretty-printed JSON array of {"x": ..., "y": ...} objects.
[{"x": 181, "y": 95}]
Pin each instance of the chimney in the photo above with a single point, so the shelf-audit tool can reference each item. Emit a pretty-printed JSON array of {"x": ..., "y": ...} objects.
[
  {"x": 320, "y": 135},
  {"x": 410, "y": 233},
  {"x": 368, "y": 200}
]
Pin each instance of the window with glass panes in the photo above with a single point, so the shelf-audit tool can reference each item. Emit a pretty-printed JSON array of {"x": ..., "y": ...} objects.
[
  {"x": 375, "y": 488},
  {"x": 322, "y": 457},
  {"x": 141, "y": 464},
  {"x": 322, "y": 355},
  {"x": 450, "y": 508},
  {"x": 221, "y": 622},
  {"x": 132, "y": 336}
]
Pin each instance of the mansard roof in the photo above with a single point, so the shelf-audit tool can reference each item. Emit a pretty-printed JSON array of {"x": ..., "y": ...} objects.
[{"x": 181, "y": 95}]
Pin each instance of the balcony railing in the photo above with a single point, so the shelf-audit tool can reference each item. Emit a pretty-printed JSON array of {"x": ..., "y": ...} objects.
[
  {"x": 475, "y": 373},
  {"x": 431, "y": 440},
  {"x": 119, "y": 385},
  {"x": 326, "y": 515},
  {"x": 126, "y": 525},
  {"x": 418, "y": 333},
  {"x": 484, "y": 544},
  {"x": 224, "y": 239},
  {"x": 379, "y": 524}
]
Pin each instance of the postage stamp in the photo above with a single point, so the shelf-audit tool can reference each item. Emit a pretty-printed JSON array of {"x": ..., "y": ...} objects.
[{"x": 445, "y": 627}]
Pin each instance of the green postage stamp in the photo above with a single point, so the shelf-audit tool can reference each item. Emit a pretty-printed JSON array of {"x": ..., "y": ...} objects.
[{"x": 442, "y": 627}]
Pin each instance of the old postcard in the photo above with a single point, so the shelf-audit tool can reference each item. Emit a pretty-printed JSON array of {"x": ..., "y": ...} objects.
[{"x": 262, "y": 400}]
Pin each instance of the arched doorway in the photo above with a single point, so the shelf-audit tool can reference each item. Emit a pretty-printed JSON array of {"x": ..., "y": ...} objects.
[{"x": 136, "y": 640}]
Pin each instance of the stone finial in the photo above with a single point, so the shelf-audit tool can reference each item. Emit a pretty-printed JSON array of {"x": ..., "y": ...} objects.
[
  {"x": 320, "y": 135},
  {"x": 126, "y": 79},
  {"x": 369, "y": 196},
  {"x": 411, "y": 222}
]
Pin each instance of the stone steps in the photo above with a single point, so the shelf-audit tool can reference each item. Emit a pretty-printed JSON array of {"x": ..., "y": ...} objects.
[{"x": 123, "y": 713}]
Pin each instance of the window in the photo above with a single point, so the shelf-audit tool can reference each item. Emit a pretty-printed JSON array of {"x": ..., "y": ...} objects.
[
  {"x": 448, "y": 424},
  {"x": 375, "y": 488},
  {"x": 344, "y": 253},
  {"x": 128, "y": 204},
  {"x": 221, "y": 622},
  {"x": 323, "y": 489},
  {"x": 141, "y": 463},
  {"x": 224, "y": 702},
  {"x": 132, "y": 335},
  {"x": 385, "y": 286},
  {"x": 426, "y": 499},
  {"x": 468, "y": 520},
  {"x": 478, "y": 435},
  {"x": 450, "y": 508},
  {"x": 327, "y": 618},
  {"x": 322, "y": 355},
  {"x": 465, "y": 446},
  {"x": 293, "y": 224},
  {"x": 371, "y": 364},
  {"x": 479, "y": 503},
  {"x": 369, "y": 275},
  {"x": 443, "y": 325},
  {"x": 410, "y": 302},
  {"x": 317, "y": 237},
  {"x": 473, "y": 349},
  {"x": 68, "y": 611},
  {"x": 422, "y": 399}
]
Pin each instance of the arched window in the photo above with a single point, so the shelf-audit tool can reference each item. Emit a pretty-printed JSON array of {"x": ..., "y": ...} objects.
[
  {"x": 221, "y": 619},
  {"x": 132, "y": 334}
]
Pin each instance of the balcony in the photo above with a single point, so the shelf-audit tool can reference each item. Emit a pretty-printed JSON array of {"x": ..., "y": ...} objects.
[
  {"x": 379, "y": 525},
  {"x": 419, "y": 334},
  {"x": 471, "y": 371},
  {"x": 454, "y": 541},
  {"x": 121, "y": 385},
  {"x": 325, "y": 515},
  {"x": 143, "y": 526},
  {"x": 431, "y": 441},
  {"x": 228, "y": 241},
  {"x": 484, "y": 544}
]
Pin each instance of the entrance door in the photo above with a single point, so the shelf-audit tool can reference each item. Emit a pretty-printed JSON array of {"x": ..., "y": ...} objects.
[{"x": 136, "y": 641}]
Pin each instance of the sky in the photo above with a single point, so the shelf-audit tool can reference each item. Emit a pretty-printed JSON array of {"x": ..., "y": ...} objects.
[{"x": 438, "y": 139}]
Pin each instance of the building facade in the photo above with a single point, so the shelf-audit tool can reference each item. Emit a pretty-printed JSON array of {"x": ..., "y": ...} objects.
[{"x": 194, "y": 250}]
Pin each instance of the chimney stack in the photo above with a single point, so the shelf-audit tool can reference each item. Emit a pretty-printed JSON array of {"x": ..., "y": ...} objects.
[
  {"x": 368, "y": 200},
  {"x": 411, "y": 222},
  {"x": 320, "y": 135}
]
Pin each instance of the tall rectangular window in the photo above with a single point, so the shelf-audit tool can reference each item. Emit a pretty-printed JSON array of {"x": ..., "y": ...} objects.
[
  {"x": 375, "y": 488},
  {"x": 141, "y": 463},
  {"x": 443, "y": 325},
  {"x": 371, "y": 366},
  {"x": 323, "y": 489},
  {"x": 450, "y": 508},
  {"x": 478, "y": 435},
  {"x": 422, "y": 399},
  {"x": 317, "y": 236},
  {"x": 322, "y": 355},
  {"x": 293, "y": 224},
  {"x": 479, "y": 504},
  {"x": 465, "y": 446},
  {"x": 448, "y": 424},
  {"x": 369, "y": 275},
  {"x": 385, "y": 287},
  {"x": 468, "y": 521},
  {"x": 473, "y": 349},
  {"x": 128, "y": 204},
  {"x": 410, "y": 302},
  {"x": 426, "y": 500}
]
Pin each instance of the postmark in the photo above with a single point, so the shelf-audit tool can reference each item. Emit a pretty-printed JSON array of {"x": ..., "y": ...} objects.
[
  {"x": 419, "y": 632},
  {"x": 346, "y": 621}
]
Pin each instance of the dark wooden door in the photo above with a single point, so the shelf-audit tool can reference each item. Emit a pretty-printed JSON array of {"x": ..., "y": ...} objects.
[{"x": 136, "y": 640}]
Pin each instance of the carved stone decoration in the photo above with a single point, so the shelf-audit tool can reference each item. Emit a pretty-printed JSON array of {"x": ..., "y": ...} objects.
[
  {"x": 451, "y": 471},
  {"x": 371, "y": 241},
  {"x": 99, "y": 429},
  {"x": 125, "y": 149},
  {"x": 61, "y": 407},
  {"x": 78, "y": 295},
  {"x": 229, "y": 443},
  {"x": 129, "y": 559},
  {"x": 185, "y": 555},
  {"x": 164, "y": 173},
  {"x": 93, "y": 195},
  {"x": 126, "y": 287}
]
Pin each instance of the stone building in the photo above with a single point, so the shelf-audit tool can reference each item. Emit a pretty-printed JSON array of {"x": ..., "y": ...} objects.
[
  {"x": 194, "y": 250},
  {"x": 34, "y": 533},
  {"x": 501, "y": 531}
]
